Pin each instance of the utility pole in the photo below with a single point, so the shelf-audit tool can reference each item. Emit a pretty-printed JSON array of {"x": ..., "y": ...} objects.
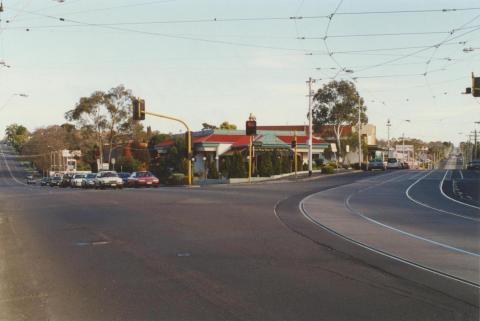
[
  {"x": 475, "y": 153},
  {"x": 310, "y": 127},
  {"x": 359, "y": 133},
  {"x": 388, "y": 136}
]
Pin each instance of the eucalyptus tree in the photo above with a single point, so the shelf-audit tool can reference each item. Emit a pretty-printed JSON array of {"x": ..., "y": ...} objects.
[{"x": 336, "y": 104}]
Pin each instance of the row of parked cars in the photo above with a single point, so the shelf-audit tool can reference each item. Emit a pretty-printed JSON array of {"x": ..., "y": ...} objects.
[
  {"x": 102, "y": 180},
  {"x": 392, "y": 163}
]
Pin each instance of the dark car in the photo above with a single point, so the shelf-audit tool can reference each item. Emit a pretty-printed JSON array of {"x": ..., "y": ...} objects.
[
  {"x": 66, "y": 180},
  {"x": 89, "y": 181},
  {"x": 139, "y": 179},
  {"x": 405, "y": 165},
  {"x": 124, "y": 176},
  {"x": 375, "y": 164},
  {"x": 474, "y": 165},
  {"x": 45, "y": 181},
  {"x": 55, "y": 181}
]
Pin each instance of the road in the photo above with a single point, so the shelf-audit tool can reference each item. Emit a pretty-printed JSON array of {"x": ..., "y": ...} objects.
[{"x": 241, "y": 252}]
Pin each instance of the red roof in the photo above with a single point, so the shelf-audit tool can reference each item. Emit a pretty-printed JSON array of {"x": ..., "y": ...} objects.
[{"x": 300, "y": 140}]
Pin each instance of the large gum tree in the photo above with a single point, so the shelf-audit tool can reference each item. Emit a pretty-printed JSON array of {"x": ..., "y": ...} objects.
[
  {"x": 336, "y": 104},
  {"x": 105, "y": 115}
]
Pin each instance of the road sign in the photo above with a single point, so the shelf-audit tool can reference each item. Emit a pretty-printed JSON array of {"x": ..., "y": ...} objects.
[{"x": 333, "y": 146}]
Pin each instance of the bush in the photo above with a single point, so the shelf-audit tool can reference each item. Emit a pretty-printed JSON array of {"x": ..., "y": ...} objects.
[
  {"x": 332, "y": 164},
  {"x": 328, "y": 170},
  {"x": 212, "y": 171},
  {"x": 177, "y": 179}
]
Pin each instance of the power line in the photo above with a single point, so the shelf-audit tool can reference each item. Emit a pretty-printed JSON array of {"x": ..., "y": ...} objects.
[{"x": 445, "y": 10}]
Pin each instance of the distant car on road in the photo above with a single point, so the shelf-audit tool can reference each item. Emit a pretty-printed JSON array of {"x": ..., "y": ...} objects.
[
  {"x": 66, "y": 179},
  {"x": 31, "y": 180},
  {"x": 45, "y": 181},
  {"x": 393, "y": 163},
  {"x": 124, "y": 176},
  {"x": 139, "y": 179},
  {"x": 375, "y": 164},
  {"x": 89, "y": 180},
  {"x": 55, "y": 181},
  {"x": 474, "y": 165},
  {"x": 77, "y": 180},
  {"x": 108, "y": 179}
]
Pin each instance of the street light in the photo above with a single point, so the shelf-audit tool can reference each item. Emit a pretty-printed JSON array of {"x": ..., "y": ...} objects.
[{"x": 23, "y": 95}]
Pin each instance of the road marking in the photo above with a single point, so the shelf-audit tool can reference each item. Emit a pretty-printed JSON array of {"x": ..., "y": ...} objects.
[
  {"x": 452, "y": 199},
  {"x": 377, "y": 251},
  {"x": 9, "y": 170},
  {"x": 415, "y": 236},
  {"x": 407, "y": 193},
  {"x": 461, "y": 174}
]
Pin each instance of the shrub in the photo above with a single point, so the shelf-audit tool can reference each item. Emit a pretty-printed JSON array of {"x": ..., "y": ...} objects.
[
  {"x": 332, "y": 164},
  {"x": 212, "y": 171},
  {"x": 177, "y": 179},
  {"x": 328, "y": 170}
]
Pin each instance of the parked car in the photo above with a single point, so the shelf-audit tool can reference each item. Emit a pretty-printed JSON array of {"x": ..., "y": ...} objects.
[
  {"x": 124, "y": 176},
  {"x": 31, "y": 180},
  {"x": 375, "y": 164},
  {"x": 139, "y": 179},
  {"x": 55, "y": 181},
  {"x": 66, "y": 179},
  {"x": 45, "y": 181},
  {"x": 393, "y": 163},
  {"x": 474, "y": 165},
  {"x": 77, "y": 180},
  {"x": 89, "y": 180},
  {"x": 108, "y": 179},
  {"x": 405, "y": 165}
]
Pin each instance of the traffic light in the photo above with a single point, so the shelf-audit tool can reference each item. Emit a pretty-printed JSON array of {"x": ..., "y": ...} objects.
[
  {"x": 138, "y": 109},
  {"x": 475, "y": 86},
  {"x": 294, "y": 143},
  {"x": 251, "y": 127}
]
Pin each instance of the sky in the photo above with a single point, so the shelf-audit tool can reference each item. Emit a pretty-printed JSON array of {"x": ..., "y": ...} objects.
[{"x": 214, "y": 61}]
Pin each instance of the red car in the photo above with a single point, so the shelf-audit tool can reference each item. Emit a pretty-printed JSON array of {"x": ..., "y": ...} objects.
[{"x": 139, "y": 179}]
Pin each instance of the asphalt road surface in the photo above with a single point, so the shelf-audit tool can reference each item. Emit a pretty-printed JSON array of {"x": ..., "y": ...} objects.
[{"x": 243, "y": 252}]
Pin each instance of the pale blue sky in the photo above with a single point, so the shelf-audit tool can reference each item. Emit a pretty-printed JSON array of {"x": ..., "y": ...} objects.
[{"x": 208, "y": 71}]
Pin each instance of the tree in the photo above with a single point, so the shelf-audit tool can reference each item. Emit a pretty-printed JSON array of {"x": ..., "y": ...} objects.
[
  {"x": 17, "y": 136},
  {"x": 336, "y": 104},
  {"x": 105, "y": 115},
  {"x": 207, "y": 126},
  {"x": 227, "y": 125}
]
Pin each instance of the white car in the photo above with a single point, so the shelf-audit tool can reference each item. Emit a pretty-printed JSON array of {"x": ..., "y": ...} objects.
[
  {"x": 393, "y": 163},
  {"x": 108, "y": 179},
  {"x": 77, "y": 180}
]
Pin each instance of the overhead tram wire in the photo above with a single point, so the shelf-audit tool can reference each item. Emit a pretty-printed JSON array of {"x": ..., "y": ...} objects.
[
  {"x": 325, "y": 37},
  {"x": 384, "y": 63},
  {"x": 151, "y": 33}
]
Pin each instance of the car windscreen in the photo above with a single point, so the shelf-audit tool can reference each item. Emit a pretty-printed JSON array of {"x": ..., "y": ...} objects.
[
  {"x": 392, "y": 160},
  {"x": 109, "y": 174}
]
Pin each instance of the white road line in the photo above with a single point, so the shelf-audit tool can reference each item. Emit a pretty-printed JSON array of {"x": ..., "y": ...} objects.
[
  {"x": 415, "y": 236},
  {"x": 407, "y": 193},
  {"x": 9, "y": 170},
  {"x": 452, "y": 199},
  {"x": 374, "y": 250},
  {"x": 461, "y": 174}
]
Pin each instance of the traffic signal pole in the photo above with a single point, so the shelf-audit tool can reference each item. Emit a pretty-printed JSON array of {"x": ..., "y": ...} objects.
[
  {"x": 189, "y": 140},
  {"x": 250, "y": 159}
]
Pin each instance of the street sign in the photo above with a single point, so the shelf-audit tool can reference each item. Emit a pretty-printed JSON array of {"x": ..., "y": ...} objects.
[
  {"x": 347, "y": 148},
  {"x": 113, "y": 161},
  {"x": 333, "y": 146}
]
